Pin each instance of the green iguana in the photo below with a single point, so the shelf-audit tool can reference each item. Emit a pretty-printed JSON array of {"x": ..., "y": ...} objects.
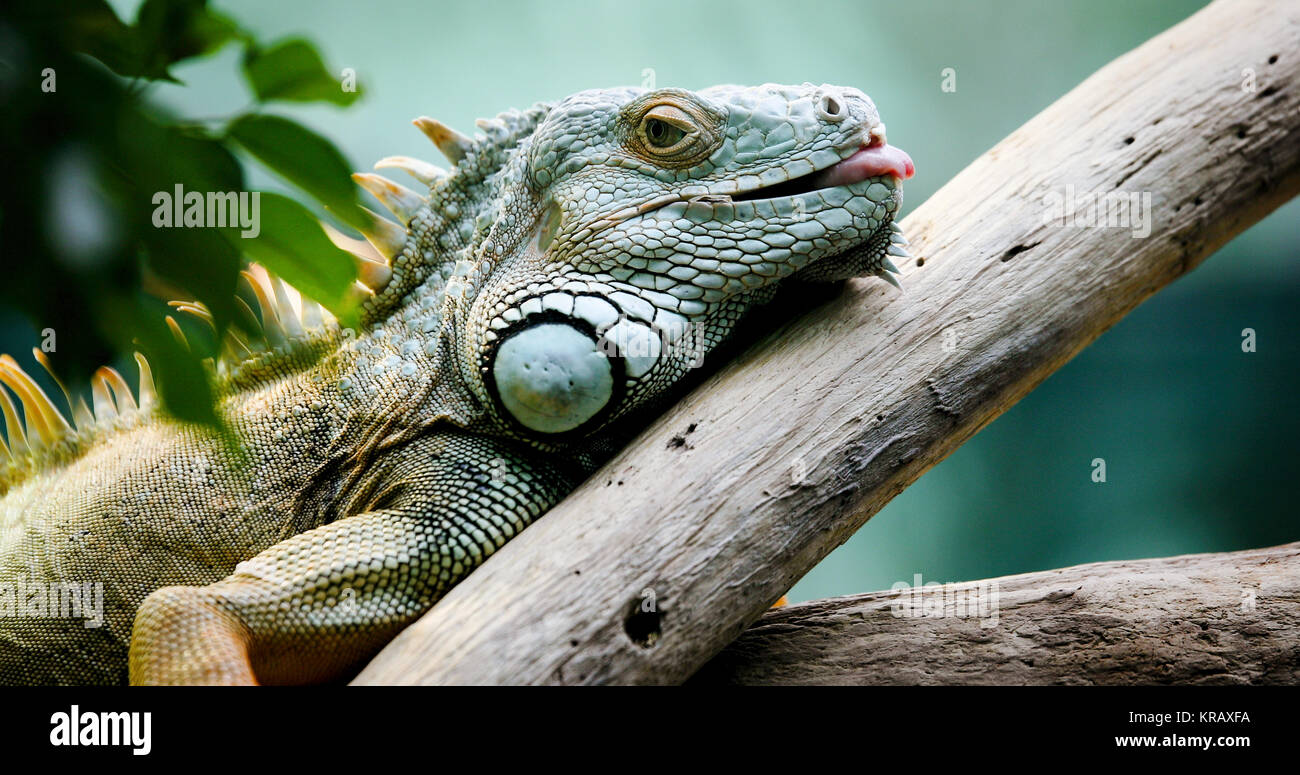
[{"x": 519, "y": 323}]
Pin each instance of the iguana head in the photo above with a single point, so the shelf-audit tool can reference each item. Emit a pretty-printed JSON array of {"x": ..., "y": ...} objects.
[{"x": 581, "y": 257}]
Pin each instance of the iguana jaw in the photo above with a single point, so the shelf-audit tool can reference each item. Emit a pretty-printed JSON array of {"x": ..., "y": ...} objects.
[
  {"x": 874, "y": 161},
  {"x": 880, "y": 162},
  {"x": 844, "y": 205},
  {"x": 852, "y": 170}
]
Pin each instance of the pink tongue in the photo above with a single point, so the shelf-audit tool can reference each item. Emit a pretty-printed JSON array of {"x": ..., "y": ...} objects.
[{"x": 867, "y": 163}]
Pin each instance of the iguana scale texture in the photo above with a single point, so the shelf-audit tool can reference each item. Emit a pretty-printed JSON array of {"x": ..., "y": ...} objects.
[{"x": 521, "y": 319}]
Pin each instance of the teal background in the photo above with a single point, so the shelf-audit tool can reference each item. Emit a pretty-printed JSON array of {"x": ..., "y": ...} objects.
[{"x": 1198, "y": 437}]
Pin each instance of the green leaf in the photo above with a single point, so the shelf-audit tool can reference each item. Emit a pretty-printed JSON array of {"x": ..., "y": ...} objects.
[
  {"x": 292, "y": 245},
  {"x": 158, "y": 160},
  {"x": 182, "y": 382},
  {"x": 155, "y": 156},
  {"x": 197, "y": 261},
  {"x": 165, "y": 32},
  {"x": 292, "y": 70},
  {"x": 92, "y": 27},
  {"x": 303, "y": 157},
  {"x": 168, "y": 31}
]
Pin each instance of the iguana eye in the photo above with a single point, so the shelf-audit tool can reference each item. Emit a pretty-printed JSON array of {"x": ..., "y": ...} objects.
[
  {"x": 661, "y": 134},
  {"x": 668, "y": 131},
  {"x": 671, "y": 128}
]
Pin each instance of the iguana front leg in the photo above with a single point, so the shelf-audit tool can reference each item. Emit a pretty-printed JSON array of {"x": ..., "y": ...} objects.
[{"x": 315, "y": 607}]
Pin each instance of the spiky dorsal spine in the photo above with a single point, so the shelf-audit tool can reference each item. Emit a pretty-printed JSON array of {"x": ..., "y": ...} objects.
[{"x": 429, "y": 232}]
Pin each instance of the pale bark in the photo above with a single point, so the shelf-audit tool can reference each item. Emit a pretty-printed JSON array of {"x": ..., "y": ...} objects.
[
  {"x": 863, "y": 394},
  {"x": 1231, "y": 618}
]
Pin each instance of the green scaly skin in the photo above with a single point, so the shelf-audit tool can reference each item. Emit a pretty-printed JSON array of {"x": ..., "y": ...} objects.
[{"x": 540, "y": 301}]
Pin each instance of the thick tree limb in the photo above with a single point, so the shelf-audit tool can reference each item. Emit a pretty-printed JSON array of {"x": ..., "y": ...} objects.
[
  {"x": 1230, "y": 618},
  {"x": 861, "y": 397}
]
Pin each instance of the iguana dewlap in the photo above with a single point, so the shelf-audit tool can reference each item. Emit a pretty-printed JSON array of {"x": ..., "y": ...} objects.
[{"x": 524, "y": 316}]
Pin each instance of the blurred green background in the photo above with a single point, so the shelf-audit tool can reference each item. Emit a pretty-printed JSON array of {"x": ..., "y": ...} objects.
[{"x": 1198, "y": 437}]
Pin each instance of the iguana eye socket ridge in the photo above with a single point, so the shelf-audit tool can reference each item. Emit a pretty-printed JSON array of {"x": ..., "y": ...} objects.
[{"x": 671, "y": 130}]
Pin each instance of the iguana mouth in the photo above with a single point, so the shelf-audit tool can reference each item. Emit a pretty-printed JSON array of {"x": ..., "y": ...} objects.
[
  {"x": 873, "y": 160},
  {"x": 868, "y": 162}
]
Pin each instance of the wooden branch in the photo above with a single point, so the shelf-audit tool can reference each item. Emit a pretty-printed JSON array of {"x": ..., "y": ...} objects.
[
  {"x": 1231, "y": 618},
  {"x": 860, "y": 397}
]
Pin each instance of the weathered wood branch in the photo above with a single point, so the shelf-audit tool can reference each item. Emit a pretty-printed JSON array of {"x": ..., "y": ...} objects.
[
  {"x": 861, "y": 396},
  {"x": 1231, "y": 618}
]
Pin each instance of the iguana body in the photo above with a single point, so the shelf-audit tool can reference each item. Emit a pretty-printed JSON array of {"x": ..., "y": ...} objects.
[{"x": 519, "y": 323}]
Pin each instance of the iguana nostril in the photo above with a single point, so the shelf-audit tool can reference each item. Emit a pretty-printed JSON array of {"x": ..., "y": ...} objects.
[
  {"x": 830, "y": 108},
  {"x": 552, "y": 378}
]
